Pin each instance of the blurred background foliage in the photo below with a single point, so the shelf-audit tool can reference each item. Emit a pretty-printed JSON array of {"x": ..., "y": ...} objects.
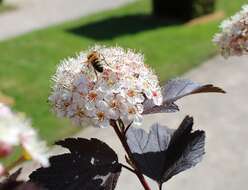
[
  {"x": 5, "y": 7},
  {"x": 203, "y": 7}
]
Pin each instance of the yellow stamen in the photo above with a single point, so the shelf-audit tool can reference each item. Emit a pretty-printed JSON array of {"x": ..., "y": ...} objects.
[{"x": 26, "y": 155}]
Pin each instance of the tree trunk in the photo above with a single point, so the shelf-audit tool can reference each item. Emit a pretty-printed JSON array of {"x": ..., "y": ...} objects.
[
  {"x": 182, "y": 9},
  {"x": 173, "y": 9}
]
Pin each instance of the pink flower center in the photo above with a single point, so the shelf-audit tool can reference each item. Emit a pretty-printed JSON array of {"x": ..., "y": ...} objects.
[
  {"x": 131, "y": 111},
  {"x": 80, "y": 112},
  {"x": 66, "y": 104},
  {"x": 100, "y": 116},
  {"x": 114, "y": 104},
  {"x": 92, "y": 96},
  {"x": 154, "y": 93},
  {"x": 131, "y": 93}
]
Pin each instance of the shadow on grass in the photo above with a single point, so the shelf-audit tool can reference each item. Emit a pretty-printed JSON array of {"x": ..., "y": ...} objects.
[{"x": 117, "y": 26}]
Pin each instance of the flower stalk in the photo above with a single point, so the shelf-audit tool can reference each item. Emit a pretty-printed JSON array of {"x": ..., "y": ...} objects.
[
  {"x": 122, "y": 138},
  {"x": 14, "y": 164}
]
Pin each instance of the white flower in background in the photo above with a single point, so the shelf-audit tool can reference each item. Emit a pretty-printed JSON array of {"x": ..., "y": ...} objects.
[
  {"x": 16, "y": 130},
  {"x": 34, "y": 148},
  {"x": 116, "y": 93},
  {"x": 10, "y": 126},
  {"x": 233, "y": 39}
]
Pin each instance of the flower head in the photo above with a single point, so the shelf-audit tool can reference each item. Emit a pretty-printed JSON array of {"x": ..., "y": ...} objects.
[
  {"x": 86, "y": 95},
  {"x": 233, "y": 39},
  {"x": 16, "y": 130}
]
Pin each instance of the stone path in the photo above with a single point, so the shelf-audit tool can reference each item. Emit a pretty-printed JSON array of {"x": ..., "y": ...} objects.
[
  {"x": 35, "y": 14},
  {"x": 225, "y": 119}
]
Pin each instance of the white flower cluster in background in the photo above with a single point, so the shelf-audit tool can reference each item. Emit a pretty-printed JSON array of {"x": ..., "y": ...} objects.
[
  {"x": 16, "y": 130},
  {"x": 116, "y": 93},
  {"x": 233, "y": 39}
]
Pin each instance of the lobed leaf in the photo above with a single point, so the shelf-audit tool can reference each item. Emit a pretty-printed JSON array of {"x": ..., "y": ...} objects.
[
  {"x": 163, "y": 152},
  {"x": 11, "y": 183},
  {"x": 90, "y": 165},
  {"x": 176, "y": 89}
]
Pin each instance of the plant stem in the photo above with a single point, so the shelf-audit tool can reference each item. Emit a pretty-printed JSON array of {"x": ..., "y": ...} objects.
[
  {"x": 160, "y": 186},
  {"x": 128, "y": 168},
  {"x": 123, "y": 140},
  {"x": 20, "y": 160}
]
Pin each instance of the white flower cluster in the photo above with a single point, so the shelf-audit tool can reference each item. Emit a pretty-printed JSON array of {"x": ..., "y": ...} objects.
[
  {"x": 16, "y": 130},
  {"x": 233, "y": 39},
  {"x": 85, "y": 95}
]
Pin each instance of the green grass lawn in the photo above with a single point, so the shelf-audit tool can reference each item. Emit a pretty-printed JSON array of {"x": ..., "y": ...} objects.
[
  {"x": 27, "y": 62},
  {"x": 4, "y": 8}
]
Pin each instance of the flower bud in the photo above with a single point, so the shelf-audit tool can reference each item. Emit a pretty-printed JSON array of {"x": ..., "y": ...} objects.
[{"x": 5, "y": 149}]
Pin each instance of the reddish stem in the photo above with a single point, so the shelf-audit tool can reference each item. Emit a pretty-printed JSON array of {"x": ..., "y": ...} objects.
[
  {"x": 160, "y": 186},
  {"x": 137, "y": 170},
  {"x": 14, "y": 164}
]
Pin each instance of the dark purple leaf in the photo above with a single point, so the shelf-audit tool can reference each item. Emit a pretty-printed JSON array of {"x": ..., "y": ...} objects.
[
  {"x": 11, "y": 183},
  {"x": 28, "y": 186},
  {"x": 163, "y": 152},
  {"x": 176, "y": 89},
  {"x": 90, "y": 165}
]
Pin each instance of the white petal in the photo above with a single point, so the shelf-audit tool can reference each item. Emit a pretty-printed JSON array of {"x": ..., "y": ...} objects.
[
  {"x": 104, "y": 124},
  {"x": 138, "y": 119},
  {"x": 34, "y": 147},
  {"x": 102, "y": 105}
]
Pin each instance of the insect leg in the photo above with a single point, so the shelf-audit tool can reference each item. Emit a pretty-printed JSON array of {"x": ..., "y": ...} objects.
[
  {"x": 105, "y": 60},
  {"x": 96, "y": 74}
]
